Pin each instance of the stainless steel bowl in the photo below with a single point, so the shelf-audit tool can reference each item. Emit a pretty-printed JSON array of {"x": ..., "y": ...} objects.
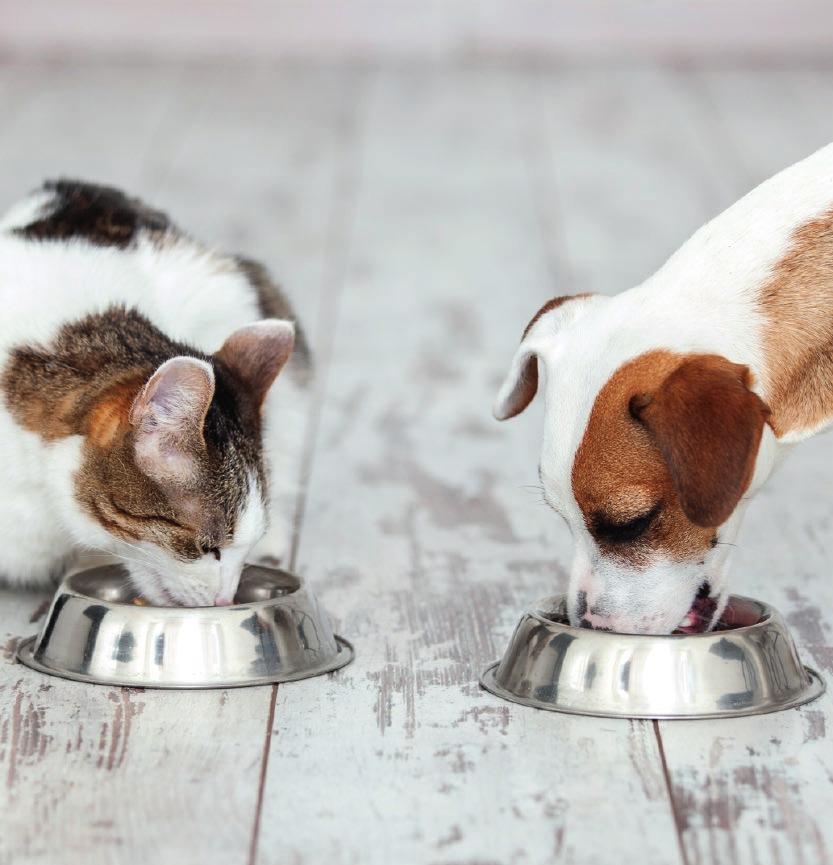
[
  {"x": 96, "y": 632},
  {"x": 748, "y": 666}
]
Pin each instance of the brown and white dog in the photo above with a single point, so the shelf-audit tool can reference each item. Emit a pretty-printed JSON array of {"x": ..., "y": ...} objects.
[{"x": 667, "y": 406}]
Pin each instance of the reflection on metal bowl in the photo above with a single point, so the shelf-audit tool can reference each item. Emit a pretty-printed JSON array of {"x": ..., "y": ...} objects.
[
  {"x": 747, "y": 666},
  {"x": 95, "y": 631}
]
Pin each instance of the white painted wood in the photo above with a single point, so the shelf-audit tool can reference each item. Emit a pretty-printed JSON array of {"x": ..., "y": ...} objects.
[
  {"x": 758, "y": 790},
  {"x": 75, "y": 121},
  {"x": 357, "y": 29},
  {"x": 259, "y": 165},
  {"x": 763, "y": 119},
  {"x": 446, "y": 204},
  {"x": 101, "y": 774},
  {"x": 629, "y": 171},
  {"x": 119, "y": 772},
  {"x": 422, "y": 541}
]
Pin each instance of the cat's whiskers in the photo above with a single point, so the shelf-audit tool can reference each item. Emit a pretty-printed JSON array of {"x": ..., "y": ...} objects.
[
  {"x": 147, "y": 553},
  {"x": 111, "y": 554}
]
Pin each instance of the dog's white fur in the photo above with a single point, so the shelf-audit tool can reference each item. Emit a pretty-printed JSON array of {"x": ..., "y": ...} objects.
[
  {"x": 192, "y": 294},
  {"x": 705, "y": 299}
]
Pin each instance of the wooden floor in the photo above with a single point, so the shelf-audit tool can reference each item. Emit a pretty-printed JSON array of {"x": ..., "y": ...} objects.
[{"x": 419, "y": 216}]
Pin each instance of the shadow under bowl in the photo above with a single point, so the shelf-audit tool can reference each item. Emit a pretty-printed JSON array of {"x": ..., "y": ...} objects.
[
  {"x": 748, "y": 665},
  {"x": 97, "y": 631}
]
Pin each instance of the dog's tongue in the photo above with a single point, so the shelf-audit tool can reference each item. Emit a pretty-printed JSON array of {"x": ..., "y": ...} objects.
[{"x": 699, "y": 617}]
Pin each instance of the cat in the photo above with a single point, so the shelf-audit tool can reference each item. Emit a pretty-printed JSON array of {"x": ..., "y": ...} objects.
[{"x": 138, "y": 415}]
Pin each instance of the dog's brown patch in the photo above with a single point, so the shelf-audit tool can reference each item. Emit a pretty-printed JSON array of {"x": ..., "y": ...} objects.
[
  {"x": 678, "y": 433},
  {"x": 707, "y": 423},
  {"x": 797, "y": 302}
]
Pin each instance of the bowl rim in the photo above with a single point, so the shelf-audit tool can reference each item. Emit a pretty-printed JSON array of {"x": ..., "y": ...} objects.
[
  {"x": 72, "y": 595},
  {"x": 768, "y": 614},
  {"x": 813, "y": 687},
  {"x": 66, "y": 587}
]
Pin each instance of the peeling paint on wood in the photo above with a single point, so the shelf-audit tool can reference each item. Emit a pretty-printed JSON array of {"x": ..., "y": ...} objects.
[
  {"x": 22, "y": 735},
  {"x": 103, "y": 774},
  {"x": 757, "y": 790},
  {"x": 453, "y": 201},
  {"x": 443, "y": 547}
]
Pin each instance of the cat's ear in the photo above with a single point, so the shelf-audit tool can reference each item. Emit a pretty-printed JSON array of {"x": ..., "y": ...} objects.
[
  {"x": 256, "y": 353},
  {"x": 168, "y": 416}
]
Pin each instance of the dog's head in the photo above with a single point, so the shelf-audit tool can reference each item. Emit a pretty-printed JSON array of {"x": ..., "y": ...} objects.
[{"x": 647, "y": 455}]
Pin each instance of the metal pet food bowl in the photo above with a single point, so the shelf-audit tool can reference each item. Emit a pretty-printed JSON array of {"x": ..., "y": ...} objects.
[
  {"x": 96, "y": 631},
  {"x": 747, "y": 666}
]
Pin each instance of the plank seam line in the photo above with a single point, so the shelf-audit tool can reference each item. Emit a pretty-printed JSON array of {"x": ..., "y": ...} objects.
[
  {"x": 717, "y": 134},
  {"x": 264, "y": 765},
  {"x": 675, "y": 811},
  {"x": 339, "y": 240},
  {"x": 533, "y": 125},
  {"x": 340, "y": 231}
]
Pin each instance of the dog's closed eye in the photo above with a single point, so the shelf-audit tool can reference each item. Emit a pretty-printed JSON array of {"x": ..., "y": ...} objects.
[{"x": 617, "y": 531}]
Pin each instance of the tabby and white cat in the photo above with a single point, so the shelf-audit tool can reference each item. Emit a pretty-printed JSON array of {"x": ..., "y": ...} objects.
[{"x": 137, "y": 412}]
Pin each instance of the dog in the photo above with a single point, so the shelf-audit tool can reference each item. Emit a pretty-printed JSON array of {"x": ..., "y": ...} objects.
[{"x": 668, "y": 406}]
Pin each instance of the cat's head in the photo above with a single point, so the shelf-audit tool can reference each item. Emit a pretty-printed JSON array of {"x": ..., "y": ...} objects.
[{"x": 173, "y": 468}]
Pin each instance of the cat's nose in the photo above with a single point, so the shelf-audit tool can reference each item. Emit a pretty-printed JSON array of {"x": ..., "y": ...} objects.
[{"x": 222, "y": 601}]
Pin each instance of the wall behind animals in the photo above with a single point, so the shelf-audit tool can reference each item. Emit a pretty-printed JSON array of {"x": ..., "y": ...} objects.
[{"x": 414, "y": 29}]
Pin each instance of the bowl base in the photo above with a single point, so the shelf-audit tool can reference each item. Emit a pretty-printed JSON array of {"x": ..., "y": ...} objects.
[
  {"x": 814, "y": 689},
  {"x": 25, "y": 654}
]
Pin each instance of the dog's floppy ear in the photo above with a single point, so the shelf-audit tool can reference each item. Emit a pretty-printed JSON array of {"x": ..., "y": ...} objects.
[
  {"x": 521, "y": 381},
  {"x": 707, "y": 424}
]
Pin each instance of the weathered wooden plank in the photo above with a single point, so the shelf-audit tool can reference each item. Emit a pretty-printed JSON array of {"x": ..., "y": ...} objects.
[
  {"x": 422, "y": 541},
  {"x": 764, "y": 118},
  {"x": 77, "y": 760},
  {"x": 93, "y": 122},
  {"x": 679, "y": 166},
  {"x": 259, "y": 164},
  {"x": 629, "y": 170},
  {"x": 416, "y": 514},
  {"x": 131, "y": 776},
  {"x": 757, "y": 790}
]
